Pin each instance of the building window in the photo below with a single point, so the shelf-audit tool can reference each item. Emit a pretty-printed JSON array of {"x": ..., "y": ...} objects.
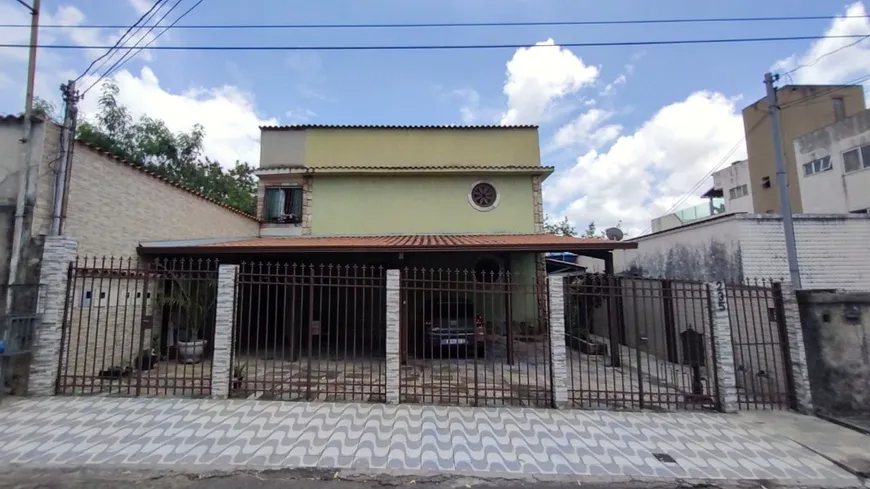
[
  {"x": 283, "y": 205},
  {"x": 765, "y": 182},
  {"x": 839, "y": 109},
  {"x": 738, "y": 191},
  {"x": 771, "y": 314},
  {"x": 856, "y": 159},
  {"x": 817, "y": 166},
  {"x": 483, "y": 196}
]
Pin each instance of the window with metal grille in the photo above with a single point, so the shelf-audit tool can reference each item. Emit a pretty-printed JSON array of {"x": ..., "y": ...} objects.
[
  {"x": 856, "y": 159},
  {"x": 283, "y": 205},
  {"x": 817, "y": 166},
  {"x": 484, "y": 195}
]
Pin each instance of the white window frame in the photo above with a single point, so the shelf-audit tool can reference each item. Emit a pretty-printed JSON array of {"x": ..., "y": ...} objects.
[
  {"x": 738, "y": 191},
  {"x": 819, "y": 165},
  {"x": 862, "y": 163}
]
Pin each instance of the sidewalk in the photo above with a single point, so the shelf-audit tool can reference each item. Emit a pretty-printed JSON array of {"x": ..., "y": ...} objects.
[{"x": 228, "y": 435}]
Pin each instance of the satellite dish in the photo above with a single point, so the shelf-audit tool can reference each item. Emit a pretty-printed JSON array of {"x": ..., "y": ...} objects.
[{"x": 614, "y": 234}]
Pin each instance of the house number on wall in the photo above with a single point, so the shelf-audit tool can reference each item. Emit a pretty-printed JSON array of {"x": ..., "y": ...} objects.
[{"x": 720, "y": 296}]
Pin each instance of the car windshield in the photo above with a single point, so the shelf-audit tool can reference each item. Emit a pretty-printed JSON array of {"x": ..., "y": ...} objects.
[{"x": 453, "y": 310}]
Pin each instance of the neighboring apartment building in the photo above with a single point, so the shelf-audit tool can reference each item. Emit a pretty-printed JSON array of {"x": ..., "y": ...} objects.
[
  {"x": 804, "y": 109},
  {"x": 734, "y": 185},
  {"x": 834, "y": 166}
]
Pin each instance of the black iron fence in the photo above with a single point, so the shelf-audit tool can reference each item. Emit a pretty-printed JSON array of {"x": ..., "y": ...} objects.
[
  {"x": 18, "y": 323},
  {"x": 760, "y": 342},
  {"x": 310, "y": 332},
  {"x": 136, "y": 328},
  {"x": 474, "y": 338},
  {"x": 635, "y": 343}
]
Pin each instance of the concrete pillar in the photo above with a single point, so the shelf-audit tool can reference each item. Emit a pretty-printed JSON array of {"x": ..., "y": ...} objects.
[
  {"x": 394, "y": 307},
  {"x": 57, "y": 254},
  {"x": 221, "y": 367},
  {"x": 726, "y": 388},
  {"x": 794, "y": 336},
  {"x": 558, "y": 356}
]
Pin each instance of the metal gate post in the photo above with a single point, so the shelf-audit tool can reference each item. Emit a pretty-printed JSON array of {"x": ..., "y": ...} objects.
[
  {"x": 726, "y": 379},
  {"x": 394, "y": 307},
  {"x": 58, "y": 252},
  {"x": 794, "y": 353},
  {"x": 224, "y": 328},
  {"x": 558, "y": 361}
]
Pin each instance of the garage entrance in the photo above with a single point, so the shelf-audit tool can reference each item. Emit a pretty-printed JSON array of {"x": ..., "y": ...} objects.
[{"x": 309, "y": 332}]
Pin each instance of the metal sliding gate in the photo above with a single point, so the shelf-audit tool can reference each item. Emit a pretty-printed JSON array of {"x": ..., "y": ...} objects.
[
  {"x": 635, "y": 343},
  {"x": 136, "y": 328},
  {"x": 310, "y": 332},
  {"x": 473, "y": 337}
]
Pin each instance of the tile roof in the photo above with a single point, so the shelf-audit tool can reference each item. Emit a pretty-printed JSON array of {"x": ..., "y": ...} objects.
[
  {"x": 298, "y": 127},
  {"x": 397, "y": 243},
  {"x": 163, "y": 179}
]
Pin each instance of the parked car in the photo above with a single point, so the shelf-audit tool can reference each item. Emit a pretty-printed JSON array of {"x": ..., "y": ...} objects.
[{"x": 452, "y": 324}]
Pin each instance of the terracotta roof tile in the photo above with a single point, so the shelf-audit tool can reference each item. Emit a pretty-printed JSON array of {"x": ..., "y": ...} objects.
[{"x": 410, "y": 243}]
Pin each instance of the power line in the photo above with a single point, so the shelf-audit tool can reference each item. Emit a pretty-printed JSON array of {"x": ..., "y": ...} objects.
[
  {"x": 160, "y": 4},
  {"x": 450, "y": 46},
  {"x": 131, "y": 54},
  {"x": 823, "y": 56},
  {"x": 716, "y": 167},
  {"x": 472, "y": 24},
  {"x": 121, "y": 39}
]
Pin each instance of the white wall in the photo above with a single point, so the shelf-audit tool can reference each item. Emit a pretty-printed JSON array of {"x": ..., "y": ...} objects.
[
  {"x": 833, "y": 251},
  {"x": 735, "y": 175},
  {"x": 834, "y": 191}
]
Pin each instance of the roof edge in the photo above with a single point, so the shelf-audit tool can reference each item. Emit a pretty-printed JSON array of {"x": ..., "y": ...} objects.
[
  {"x": 302, "y": 127},
  {"x": 141, "y": 168}
]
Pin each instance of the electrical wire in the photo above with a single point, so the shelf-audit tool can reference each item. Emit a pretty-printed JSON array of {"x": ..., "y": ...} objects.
[
  {"x": 130, "y": 54},
  {"x": 161, "y": 3},
  {"x": 800, "y": 101},
  {"x": 121, "y": 39},
  {"x": 451, "y": 46},
  {"x": 468, "y": 24},
  {"x": 807, "y": 65}
]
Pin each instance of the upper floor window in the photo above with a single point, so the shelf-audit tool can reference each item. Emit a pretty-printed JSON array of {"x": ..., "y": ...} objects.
[
  {"x": 738, "y": 191},
  {"x": 856, "y": 159},
  {"x": 817, "y": 166},
  {"x": 283, "y": 205},
  {"x": 839, "y": 109},
  {"x": 483, "y": 196}
]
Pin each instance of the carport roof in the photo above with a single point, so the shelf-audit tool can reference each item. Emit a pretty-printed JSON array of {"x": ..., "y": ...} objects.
[{"x": 389, "y": 243}]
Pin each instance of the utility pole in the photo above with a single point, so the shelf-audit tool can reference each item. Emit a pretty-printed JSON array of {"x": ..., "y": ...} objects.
[
  {"x": 67, "y": 144},
  {"x": 25, "y": 168},
  {"x": 782, "y": 182}
]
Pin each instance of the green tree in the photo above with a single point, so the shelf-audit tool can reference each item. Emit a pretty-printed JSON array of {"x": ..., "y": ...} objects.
[
  {"x": 176, "y": 156},
  {"x": 562, "y": 228}
]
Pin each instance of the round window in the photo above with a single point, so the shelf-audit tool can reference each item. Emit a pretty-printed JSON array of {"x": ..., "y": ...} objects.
[{"x": 483, "y": 195}]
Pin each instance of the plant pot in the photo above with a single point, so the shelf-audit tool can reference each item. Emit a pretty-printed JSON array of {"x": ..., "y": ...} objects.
[{"x": 191, "y": 351}]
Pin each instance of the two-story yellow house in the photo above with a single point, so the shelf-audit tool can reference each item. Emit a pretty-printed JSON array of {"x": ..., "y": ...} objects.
[{"x": 458, "y": 210}]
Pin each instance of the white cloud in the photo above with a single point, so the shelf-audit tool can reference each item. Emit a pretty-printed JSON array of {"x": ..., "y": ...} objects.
[
  {"x": 587, "y": 131},
  {"x": 608, "y": 89},
  {"x": 539, "y": 76},
  {"x": 644, "y": 173},
  {"x": 227, "y": 114},
  {"x": 299, "y": 116},
  {"x": 844, "y": 65},
  {"x": 141, "y": 6}
]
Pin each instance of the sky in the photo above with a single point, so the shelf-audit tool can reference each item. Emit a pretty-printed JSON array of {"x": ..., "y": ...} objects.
[{"x": 630, "y": 129}]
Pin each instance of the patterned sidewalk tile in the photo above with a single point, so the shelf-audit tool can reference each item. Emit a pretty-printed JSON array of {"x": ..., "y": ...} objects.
[{"x": 160, "y": 432}]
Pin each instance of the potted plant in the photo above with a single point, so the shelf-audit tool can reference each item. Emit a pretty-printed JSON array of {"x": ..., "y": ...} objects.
[{"x": 195, "y": 301}]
